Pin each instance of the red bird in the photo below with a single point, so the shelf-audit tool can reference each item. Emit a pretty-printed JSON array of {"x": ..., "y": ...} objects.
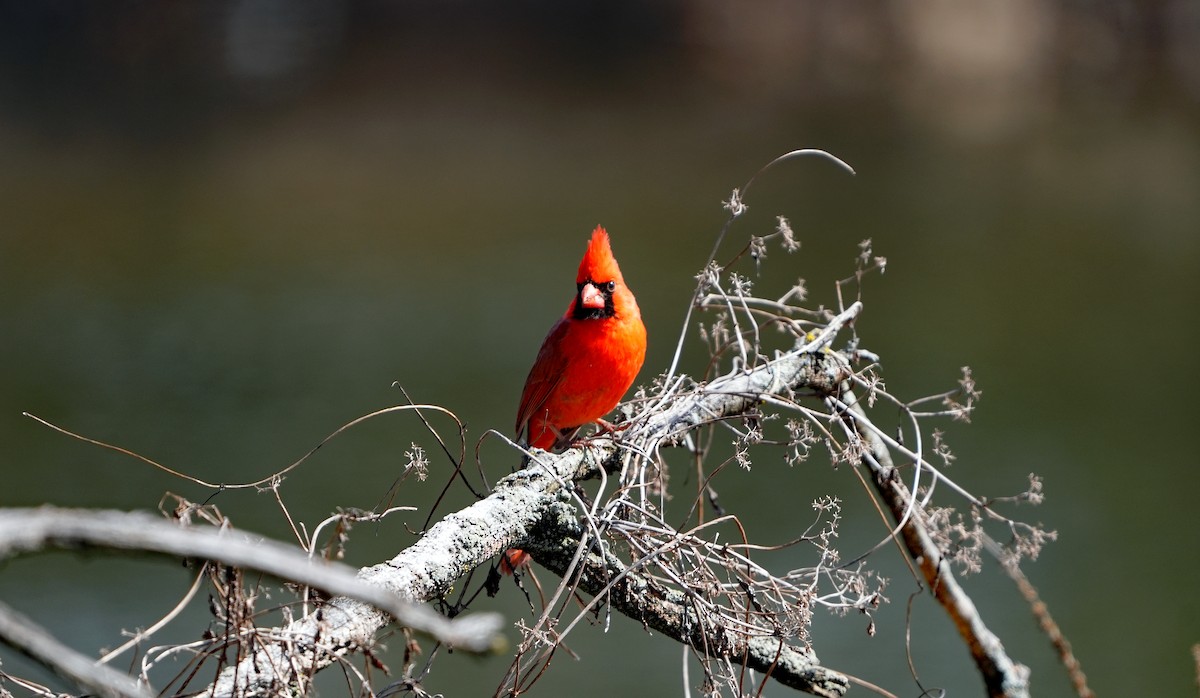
[{"x": 587, "y": 361}]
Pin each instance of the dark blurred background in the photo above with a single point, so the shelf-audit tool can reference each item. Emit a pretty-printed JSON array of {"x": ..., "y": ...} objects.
[{"x": 227, "y": 227}]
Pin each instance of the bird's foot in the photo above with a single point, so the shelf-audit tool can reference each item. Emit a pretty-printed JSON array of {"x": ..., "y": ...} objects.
[{"x": 608, "y": 428}]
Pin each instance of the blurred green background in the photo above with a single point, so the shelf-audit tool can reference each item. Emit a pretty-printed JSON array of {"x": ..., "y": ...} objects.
[{"x": 227, "y": 227}]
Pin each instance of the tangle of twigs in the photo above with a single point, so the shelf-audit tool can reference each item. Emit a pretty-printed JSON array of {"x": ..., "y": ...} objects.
[{"x": 781, "y": 383}]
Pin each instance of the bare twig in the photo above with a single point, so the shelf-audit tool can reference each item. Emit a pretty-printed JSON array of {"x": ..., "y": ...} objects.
[{"x": 142, "y": 635}]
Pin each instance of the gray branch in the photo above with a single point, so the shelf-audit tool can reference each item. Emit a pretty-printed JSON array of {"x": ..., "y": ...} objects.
[
  {"x": 1002, "y": 677},
  {"x": 511, "y": 515},
  {"x": 529, "y": 509},
  {"x": 32, "y": 640},
  {"x": 29, "y": 530}
]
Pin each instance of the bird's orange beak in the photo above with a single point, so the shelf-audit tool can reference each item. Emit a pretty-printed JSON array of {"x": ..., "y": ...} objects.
[{"x": 591, "y": 297}]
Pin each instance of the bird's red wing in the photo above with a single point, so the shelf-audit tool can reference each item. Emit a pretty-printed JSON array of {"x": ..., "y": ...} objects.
[{"x": 545, "y": 376}]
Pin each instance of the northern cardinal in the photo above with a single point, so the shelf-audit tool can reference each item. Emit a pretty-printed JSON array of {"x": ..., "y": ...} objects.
[{"x": 586, "y": 363}]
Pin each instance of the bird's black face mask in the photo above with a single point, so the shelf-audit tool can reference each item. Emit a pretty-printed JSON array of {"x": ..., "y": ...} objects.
[{"x": 594, "y": 301}]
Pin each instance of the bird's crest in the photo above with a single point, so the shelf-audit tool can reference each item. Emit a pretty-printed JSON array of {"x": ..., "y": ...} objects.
[{"x": 598, "y": 263}]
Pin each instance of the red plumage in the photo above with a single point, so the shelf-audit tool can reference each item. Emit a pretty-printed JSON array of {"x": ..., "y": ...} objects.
[
  {"x": 587, "y": 361},
  {"x": 590, "y": 357}
]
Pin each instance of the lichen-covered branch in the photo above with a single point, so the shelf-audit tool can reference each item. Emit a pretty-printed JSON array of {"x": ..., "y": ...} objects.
[
  {"x": 507, "y": 518},
  {"x": 27, "y": 530}
]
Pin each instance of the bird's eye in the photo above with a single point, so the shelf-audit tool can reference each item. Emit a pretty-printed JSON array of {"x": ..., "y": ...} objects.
[{"x": 610, "y": 286}]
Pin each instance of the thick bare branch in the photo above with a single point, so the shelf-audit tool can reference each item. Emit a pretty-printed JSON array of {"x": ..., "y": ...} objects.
[
  {"x": 508, "y": 517},
  {"x": 1001, "y": 675},
  {"x": 28, "y": 530}
]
